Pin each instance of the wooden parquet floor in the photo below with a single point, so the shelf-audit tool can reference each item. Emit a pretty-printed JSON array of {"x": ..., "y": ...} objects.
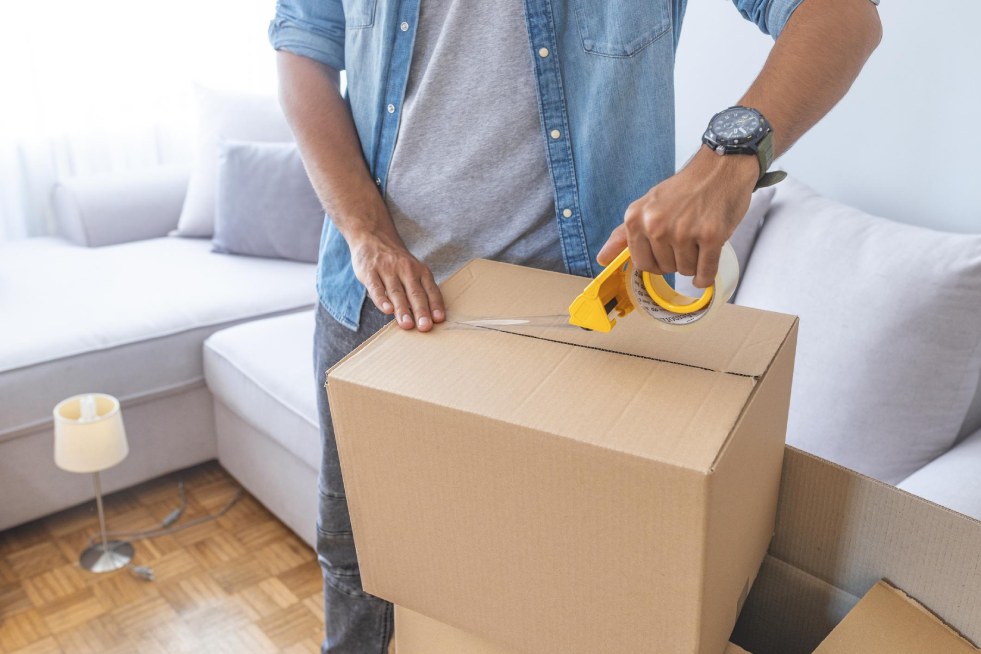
[{"x": 241, "y": 583}]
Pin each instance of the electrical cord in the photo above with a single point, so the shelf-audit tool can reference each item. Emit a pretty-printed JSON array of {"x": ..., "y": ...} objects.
[
  {"x": 166, "y": 528},
  {"x": 176, "y": 514}
]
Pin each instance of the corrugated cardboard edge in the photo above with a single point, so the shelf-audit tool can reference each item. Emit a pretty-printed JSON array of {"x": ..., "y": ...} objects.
[
  {"x": 887, "y": 619},
  {"x": 928, "y": 613}
]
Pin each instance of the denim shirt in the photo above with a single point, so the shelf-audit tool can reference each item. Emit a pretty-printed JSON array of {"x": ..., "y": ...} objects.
[{"x": 605, "y": 76}]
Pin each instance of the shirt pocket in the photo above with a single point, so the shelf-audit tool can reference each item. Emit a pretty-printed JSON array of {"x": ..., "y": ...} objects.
[
  {"x": 622, "y": 28},
  {"x": 359, "y": 13}
]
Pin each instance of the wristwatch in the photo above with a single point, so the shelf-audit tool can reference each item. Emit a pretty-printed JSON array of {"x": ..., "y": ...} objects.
[{"x": 744, "y": 130}]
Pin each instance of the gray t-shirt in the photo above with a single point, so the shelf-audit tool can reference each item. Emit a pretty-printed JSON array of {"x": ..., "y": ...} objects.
[{"x": 469, "y": 175}]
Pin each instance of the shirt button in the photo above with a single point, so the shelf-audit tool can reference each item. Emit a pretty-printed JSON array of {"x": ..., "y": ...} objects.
[
  {"x": 567, "y": 213},
  {"x": 555, "y": 133},
  {"x": 404, "y": 26},
  {"x": 391, "y": 108},
  {"x": 543, "y": 52},
  {"x": 378, "y": 181}
]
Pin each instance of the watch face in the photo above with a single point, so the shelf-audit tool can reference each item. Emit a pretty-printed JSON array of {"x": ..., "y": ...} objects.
[{"x": 736, "y": 125}]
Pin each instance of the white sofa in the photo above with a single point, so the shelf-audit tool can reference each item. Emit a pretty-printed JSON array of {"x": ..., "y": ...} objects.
[
  {"x": 102, "y": 312},
  {"x": 210, "y": 354}
]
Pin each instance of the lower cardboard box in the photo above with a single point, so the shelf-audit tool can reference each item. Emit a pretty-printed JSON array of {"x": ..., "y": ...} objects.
[
  {"x": 417, "y": 634},
  {"x": 885, "y": 621}
]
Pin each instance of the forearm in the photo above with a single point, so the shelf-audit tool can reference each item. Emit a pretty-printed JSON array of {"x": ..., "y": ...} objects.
[
  {"x": 331, "y": 150},
  {"x": 813, "y": 63}
]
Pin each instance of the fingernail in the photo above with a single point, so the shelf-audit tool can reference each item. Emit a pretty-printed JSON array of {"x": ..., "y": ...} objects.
[
  {"x": 386, "y": 306},
  {"x": 405, "y": 319},
  {"x": 437, "y": 315},
  {"x": 425, "y": 323}
]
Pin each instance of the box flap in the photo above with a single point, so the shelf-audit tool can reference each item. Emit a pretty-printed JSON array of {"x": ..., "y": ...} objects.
[
  {"x": 640, "y": 390},
  {"x": 887, "y": 621}
]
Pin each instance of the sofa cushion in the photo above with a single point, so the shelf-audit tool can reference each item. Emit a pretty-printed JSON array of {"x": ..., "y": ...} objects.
[
  {"x": 224, "y": 115},
  {"x": 125, "y": 319},
  {"x": 889, "y": 351},
  {"x": 263, "y": 371},
  {"x": 952, "y": 480},
  {"x": 266, "y": 206}
]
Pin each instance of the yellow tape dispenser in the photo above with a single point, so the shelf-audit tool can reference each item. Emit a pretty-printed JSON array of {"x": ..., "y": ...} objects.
[{"x": 621, "y": 288}]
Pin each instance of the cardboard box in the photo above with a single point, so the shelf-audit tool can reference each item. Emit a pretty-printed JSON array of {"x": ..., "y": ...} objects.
[
  {"x": 417, "y": 634},
  {"x": 556, "y": 490},
  {"x": 837, "y": 534},
  {"x": 886, "y": 621}
]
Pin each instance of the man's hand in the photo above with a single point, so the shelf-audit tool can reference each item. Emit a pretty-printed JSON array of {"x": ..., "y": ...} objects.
[
  {"x": 681, "y": 224},
  {"x": 397, "y": 282}
]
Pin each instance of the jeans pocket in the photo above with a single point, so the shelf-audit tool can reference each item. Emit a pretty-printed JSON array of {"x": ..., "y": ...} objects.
[
  {"x": 621, "y": 29},
  {"x": 359, "y": 13}
]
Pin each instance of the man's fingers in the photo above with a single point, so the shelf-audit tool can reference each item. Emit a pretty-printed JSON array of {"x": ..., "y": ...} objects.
[
  {"x": 614, "y": 246},
  {"x": 664, "y": 257},
  {"x": 419, "y": 301},
  {"x": 378, "y": 295},
  {"x": 708, "y": 265},
  {"x": 642, "y": 257},
  {"x": 403, "y": 310},
  {"x": 435, "y": 297},
  {"x": 686, "y": 258}
]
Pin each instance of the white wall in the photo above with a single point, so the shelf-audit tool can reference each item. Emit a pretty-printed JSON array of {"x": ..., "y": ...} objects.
[{"x": 905, "y": 143}]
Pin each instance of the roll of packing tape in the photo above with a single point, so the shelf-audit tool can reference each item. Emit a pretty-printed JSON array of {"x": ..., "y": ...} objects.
[{"x": 725, "y": 285}]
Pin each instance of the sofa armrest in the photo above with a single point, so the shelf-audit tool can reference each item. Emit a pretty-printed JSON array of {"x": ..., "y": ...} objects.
[
  {"x": 952, "y": 479},
  {"x": 107, "y": 209}
]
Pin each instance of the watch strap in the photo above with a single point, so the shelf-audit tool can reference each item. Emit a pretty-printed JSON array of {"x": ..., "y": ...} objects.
[
  {"x": 764, "y": 152},
  {"x": 770, "y": 178}
]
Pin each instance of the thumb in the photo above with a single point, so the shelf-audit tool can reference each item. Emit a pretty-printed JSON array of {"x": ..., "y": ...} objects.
[{"x": 614, "y": 246}]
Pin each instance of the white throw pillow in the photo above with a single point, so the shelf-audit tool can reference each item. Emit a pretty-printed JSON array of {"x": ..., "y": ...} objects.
[
  {"x": 742, "y": 239},
  {"x": 224, "y": 116},
  {"x": 889, "y": 350}
]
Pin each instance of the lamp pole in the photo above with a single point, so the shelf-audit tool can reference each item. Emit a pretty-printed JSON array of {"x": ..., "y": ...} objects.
[
  {"x": 110, "y": 555},
  {"x": 102, "y": 515}
]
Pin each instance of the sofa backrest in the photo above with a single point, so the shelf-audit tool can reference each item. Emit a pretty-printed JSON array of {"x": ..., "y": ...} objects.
[
  {"x": 973, "y": 421},
  {"x": 101, "y": 210}
]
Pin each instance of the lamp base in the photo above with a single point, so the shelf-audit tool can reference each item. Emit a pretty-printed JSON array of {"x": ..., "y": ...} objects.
[{"x": 97, "y": 559}]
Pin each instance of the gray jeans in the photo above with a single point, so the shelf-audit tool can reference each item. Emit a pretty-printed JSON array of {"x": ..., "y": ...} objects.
[{"x": 357, "y": 623}]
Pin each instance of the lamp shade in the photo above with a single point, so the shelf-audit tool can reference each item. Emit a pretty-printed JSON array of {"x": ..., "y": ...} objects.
[{"x": 89, "y": 433}]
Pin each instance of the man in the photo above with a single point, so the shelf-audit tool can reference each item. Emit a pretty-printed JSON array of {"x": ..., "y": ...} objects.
[{"x": 537, "y": 132}]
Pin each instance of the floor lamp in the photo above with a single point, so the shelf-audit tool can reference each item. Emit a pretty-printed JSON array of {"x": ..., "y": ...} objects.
[{"x": 90, "y": 437}]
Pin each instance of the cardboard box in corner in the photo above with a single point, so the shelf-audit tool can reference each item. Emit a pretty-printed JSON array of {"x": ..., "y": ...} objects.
[{"x": 556, "y": 490}]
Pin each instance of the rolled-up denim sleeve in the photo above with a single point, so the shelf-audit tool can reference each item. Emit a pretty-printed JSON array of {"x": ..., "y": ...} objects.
[
  {"x": 310, "y": 28},
  {"x": 769, "y": 15}
]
